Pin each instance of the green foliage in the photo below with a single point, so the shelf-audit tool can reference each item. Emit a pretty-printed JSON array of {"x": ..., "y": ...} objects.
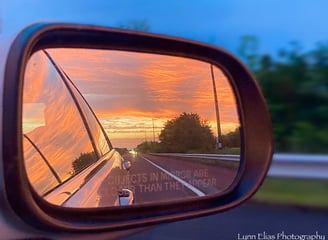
[
  {"x": 138, "y": 25},
  {"x": 84, "y": 161},
  {"x": 231, "y": 139},
  {"x": 187, "y": 133},
  {"x": 227, "y": 150},
  {"x": 295, "y": 86},
  {"x": 248, "y": 50},
  {"x": 148, "y": 147},
  {"x": 308, "y": 192},
  {"x": 122, "y": 151}
]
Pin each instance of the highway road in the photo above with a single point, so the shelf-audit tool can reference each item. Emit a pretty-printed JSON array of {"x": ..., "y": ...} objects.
[
  {"x": 162, "y": 178},
  {"x": 154, "y": 178},
  {"x": 249, "y": 221}
]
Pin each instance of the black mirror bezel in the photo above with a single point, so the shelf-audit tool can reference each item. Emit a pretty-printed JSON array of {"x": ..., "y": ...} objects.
[{"x": 254, "y": 116}]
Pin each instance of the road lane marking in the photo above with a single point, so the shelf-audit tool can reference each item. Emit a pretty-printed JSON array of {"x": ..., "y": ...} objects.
[{"x": 183, "y": 182}]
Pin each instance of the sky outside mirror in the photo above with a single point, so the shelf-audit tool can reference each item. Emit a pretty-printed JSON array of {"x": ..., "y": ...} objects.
[
  {"x": 222, "y": 23},
  {"x": 173, "y": 120}
]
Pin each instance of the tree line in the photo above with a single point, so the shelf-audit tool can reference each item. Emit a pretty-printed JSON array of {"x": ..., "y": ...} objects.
[
  {"x": 188, "y": 133},
  {"x": 295, "y": 85}
]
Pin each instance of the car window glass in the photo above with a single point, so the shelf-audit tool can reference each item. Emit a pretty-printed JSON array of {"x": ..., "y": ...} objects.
[
  {"x": 95, "y": 128},
  {"x": 43, "y": 180},
  {"x": 52, "y": 122}
]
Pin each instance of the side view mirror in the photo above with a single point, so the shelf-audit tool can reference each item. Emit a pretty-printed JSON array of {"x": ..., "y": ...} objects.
[{"x": 107, "y": 128}]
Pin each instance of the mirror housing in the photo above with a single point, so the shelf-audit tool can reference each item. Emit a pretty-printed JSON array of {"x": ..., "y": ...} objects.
[{"x": 256, "y": 150}]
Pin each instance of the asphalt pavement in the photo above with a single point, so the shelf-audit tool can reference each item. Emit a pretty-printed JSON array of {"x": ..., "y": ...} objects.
[
  {"x": 157, "y": 178},
  {"x": 248, "y": 221}
]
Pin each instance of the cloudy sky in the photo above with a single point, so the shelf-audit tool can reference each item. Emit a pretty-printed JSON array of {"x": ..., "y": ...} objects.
[{"x": 134, "y": 94}]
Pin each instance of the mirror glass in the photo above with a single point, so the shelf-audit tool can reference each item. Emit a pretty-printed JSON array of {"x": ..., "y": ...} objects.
[{"x": 113, "y": 128}]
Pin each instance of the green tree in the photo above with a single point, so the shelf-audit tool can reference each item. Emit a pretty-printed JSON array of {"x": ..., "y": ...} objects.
[
  {"x": 296, "y": 89},
  {"x": 187, "y": 133},
  {"x": 138, "y": 25},
  {"x": 231, "y": 139},
  {"x": 149, "y": 147},
  {"x": 122, "y": 151},
  {"x": 248, "y": 51},
  {"x": 84, "y": 161}
]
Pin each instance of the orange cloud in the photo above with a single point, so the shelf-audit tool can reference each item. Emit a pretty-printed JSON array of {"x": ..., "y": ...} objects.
[{"x": 133, "y": 86}]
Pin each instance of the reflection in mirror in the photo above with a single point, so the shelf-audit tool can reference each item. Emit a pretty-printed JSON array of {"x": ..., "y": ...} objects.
[{"x": 112, "y": 128}]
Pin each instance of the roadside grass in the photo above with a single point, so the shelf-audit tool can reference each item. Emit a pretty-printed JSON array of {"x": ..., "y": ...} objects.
[
  {"x": 208, "y": 161},
  {"x": 228, "y": 151},
  {"x": 216, "y": 162},
  {"x": 213, "y": 162},
  {"x": 303, "y": 192}
]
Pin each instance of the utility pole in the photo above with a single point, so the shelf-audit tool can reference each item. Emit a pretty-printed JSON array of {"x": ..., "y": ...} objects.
[
  {"x": 153, "y": 130},
  {"x": 218, "y": 124}
]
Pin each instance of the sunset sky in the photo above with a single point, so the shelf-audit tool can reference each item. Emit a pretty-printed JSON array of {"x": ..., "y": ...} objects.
[{"x": 134, "y": 94}]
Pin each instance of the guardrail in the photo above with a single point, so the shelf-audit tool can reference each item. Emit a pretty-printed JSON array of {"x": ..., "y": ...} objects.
[
  {"x": 283, "y": 165},
  {"x": 299, "y": 166},
  {"x": 224, "y": 157}
]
